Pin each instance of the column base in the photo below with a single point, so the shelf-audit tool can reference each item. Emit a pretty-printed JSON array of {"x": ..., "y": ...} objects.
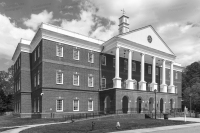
[
  {"x": 142, "y": 85},
  {"x": 171, "y": 89},
  {"x": 130, "y": 84},
  {"x": 153, "y": 86},
  {"x": 163, "y": 88},
  {"x": 117, "y": 83}
]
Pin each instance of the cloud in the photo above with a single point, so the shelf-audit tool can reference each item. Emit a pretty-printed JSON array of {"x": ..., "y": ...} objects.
[{"x": 36, "y": 19}]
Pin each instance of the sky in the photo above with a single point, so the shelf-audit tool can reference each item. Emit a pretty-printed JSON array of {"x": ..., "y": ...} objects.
[{"x": 176, "y": 21}]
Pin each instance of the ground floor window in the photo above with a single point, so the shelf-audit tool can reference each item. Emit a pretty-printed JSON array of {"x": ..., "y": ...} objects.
[
  {"x": 59, "y": 105},
  {"x": 76, "y": 105},
  {"x": 90, "y": 105}
]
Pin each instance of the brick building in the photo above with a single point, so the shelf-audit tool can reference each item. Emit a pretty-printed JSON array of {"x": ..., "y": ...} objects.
[{"x": 63, "y": 72}]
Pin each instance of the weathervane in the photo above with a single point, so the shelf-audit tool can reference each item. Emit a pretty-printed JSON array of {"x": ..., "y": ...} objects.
[{"x": 123, "y": 11}]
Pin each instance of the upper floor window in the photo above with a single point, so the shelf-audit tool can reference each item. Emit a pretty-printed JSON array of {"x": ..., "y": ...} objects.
[
  {"x": 125, "y": 64},
  {"x": 113, "y": 62},
  {"x": 91, "y": 57},
  {"x": 90, "y": 80},
  {"x": 157, "y": 71},
  {"x": 38, "y": 77},
  {"x": 133, "y": 66},
  {"x": 76, "y": 54},
  {"x": 90, "y": 105},
  {"x": 76, "y": 105},
  {"x": 59, "y": 50},
  {"x": 59, "y": 105},
  {"x": 103, "y": 60},
  {"x": 59, "y": 77},
  {"x": 76, "y": 79},
  {"x": 149, "y": 69},
  {"x": 38, "y": 51},
  {"x": 103, "y": 82}
]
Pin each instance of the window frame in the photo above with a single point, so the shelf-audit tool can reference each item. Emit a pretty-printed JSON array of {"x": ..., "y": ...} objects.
[
  {"x": 90, "y": 76},
  {"x": 92, "y": 55},
  {"x": 77, "y": 104},
  {"x": 61, "y": 110},
  {"x": 57, "y": 50},
  {"x": 103, "y": 56},
  {"x": 58, "y": 72},
  {"x": 92, "y": 109},
  {"x": 78, "y": 56},
  {"x": 102, "y": 82},
  {"x": 76, "y": 74}
]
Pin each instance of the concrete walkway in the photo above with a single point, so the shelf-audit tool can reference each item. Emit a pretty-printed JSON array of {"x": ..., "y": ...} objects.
[{"x": 186, "y": 128}]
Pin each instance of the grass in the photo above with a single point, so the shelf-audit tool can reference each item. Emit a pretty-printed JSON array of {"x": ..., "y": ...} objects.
[
  {"x": 103, "y": 125},
  {"x": 9, "y": 121}
]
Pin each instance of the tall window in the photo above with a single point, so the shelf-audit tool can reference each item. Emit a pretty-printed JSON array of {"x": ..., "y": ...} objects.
[
  {"x": 76, "y": 105},
  {"x": 59, "y": 50},
  {"x": 113, "y": 62},
  {"x": 59, "y": 77},
  {"x": 103, "y": 82},
  {"x": 103, "y": 60},
  {"x": 38, "y": 78},
  {"x": 38, "y": 51},
  {"x": 59, "y": 105},
  {"x": 133, "y": 66},
  {"x": 34, "y": 105},
  {"x": 90, "y": 80},
  {"x": 76, "y": 54},
  {"x": 38, "y": 108},
  {"x": 35, "y": 55},
  {"x": 19, "y": 84},
  {"x": 149, "y": 69},
  {"x": 157, "y": 71},
  {"x": 76, "y": 79},
  {"x": 125, "y": 64},
  {"x": 91, "y": 57},
  {"x": 35, "y": 80},
  {"x": 90, "y": 105}
]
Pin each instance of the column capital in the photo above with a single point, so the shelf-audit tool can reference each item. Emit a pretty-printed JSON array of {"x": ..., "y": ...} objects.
[
  {"x": 129, "y": 50},
  {"x": 153, "y": 57},
  {"x": 117, "y": 46},
  {"x": 142, "y": 54}
]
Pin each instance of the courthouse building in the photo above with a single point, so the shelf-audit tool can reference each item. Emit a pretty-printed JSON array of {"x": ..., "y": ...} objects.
[{"x": 63, "y": 72}]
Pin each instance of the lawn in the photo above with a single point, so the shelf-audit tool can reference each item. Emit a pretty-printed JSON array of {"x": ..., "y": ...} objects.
[{"x": 103, "y": 125}]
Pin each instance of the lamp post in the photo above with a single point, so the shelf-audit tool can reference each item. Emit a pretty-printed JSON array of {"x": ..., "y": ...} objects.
[
  {"x": 190, "y": 95},
  {"x": 155, "y": 91}
]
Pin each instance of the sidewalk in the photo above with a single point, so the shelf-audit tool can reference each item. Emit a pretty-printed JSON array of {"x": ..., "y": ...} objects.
[{"x": 166, "y": 128}]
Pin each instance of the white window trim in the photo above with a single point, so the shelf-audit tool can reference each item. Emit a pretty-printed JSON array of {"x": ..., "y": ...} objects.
[
  {"x": 102, "y": 82},
  {"x": 78, "y": 79},
  {"x": 57, "y": 105},
  {"x": 92, "y": 105},
  {"x": 149, "y": 69},
  {"x": 91, "y": 76},
  {"x": 78, "y": 54},
  {"x": 103, "y": 56},
  {"x": 57, "y": 76},
  {"x": 92, "y": 61},
  {"x": 78, "y": 105},
  {"x": 58, "y": 46}
]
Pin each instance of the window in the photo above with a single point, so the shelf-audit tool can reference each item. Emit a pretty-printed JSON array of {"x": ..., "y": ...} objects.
[
  {"x": 91, "y": 57},
  {"x": 59, "y": 50},
  {"x": 76, "y": 79},
  {"x": 75, "y": 54},
  {"x": 113, "y": 62},
  {"x": 59, "y": 105},
  {"x": 103, "y": 82},
  {"x": 157, "y": 71},
  {"x": 149, "y": 69},
  {"x": 90, "y": 80},
  {"x": 38, "y": 77},
  {"x": 19, "y": 83},
  {"x": 35, "y": 80},
  {"x": 103, "y": 60},
  {"x": 34, "y": 105},
  {"x": 35, "y": 55},
  {"x": 133, "y": 66},
  {"x": 90, "y": 105},
  {"x": 176, "y": 75},
  {"x": 38, "y": 51},
  {"x": 59, "y": 77},
  {"x": 125, "y": 64},
  {"x": 38, "y": 109},
  {"x": 76, "y": 105}
]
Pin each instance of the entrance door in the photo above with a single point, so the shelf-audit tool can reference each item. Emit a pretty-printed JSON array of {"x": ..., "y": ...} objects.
[
  {"x": 139, "y": 104},
  {"x": 151, "y": 105},
  {"x": 125, "y": 104},
  {"x": 107, "y": 107},
  {"x": 161, "y": 105}
]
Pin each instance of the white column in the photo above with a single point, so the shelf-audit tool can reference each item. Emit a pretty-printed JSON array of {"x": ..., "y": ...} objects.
[
  {"x": 163, "y": 86},
  {"x": 171, "y": 86},
  {"x": 117, "y": 79},
  {"x": 129, "y": 81},
  {"x": 142, "y": 83},
  {"x": 153, "y": 84}
]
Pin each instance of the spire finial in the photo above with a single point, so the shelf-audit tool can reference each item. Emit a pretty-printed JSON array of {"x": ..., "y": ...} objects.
[{"x": 123, "y": 11}]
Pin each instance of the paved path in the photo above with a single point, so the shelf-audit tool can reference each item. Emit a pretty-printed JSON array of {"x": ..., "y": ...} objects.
[{"x": 186, "y": 128}]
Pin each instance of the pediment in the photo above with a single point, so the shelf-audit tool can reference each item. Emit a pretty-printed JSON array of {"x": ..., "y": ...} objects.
[{"x": 148, "y": 37}]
